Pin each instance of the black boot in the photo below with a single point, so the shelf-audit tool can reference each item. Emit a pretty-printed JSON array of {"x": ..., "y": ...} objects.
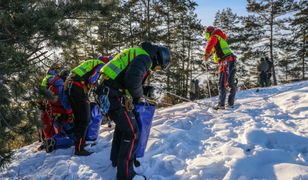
[
  {"x": 79, "y": 148},
  {"x": 50, "y": 145},
  {"x": 218, "y": 106},
  {"x": 114, "y": 163},
  {"x": 136, "y": 162},
  {"x": 41, "y": 147}
]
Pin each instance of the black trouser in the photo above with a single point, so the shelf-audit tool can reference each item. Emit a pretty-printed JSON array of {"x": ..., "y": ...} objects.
[
  {"x": 81, "y": 109},
  {"x": 125, "y": 137},
  {"x": 263, "y": 79},
  {"x": 227, "y": 78}
]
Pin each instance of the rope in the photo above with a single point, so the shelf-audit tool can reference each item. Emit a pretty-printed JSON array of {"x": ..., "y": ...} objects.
[
  {"x": 180, "y": 97},
  {"x": 168, "y": 92}
]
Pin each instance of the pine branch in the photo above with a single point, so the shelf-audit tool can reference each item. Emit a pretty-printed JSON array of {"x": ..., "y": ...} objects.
[{"x": 3, "y": 119}]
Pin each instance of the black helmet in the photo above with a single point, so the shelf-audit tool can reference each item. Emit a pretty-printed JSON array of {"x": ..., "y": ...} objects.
[
  {"x": 160, "y": 55},
  {"x": 151, "y": 49},
  {"x": 163, "y": 57}
]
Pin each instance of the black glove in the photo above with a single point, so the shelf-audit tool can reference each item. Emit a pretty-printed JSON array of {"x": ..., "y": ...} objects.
[
  {"x": 139, "y": 100},
  {"x": 148, "y": 91}
]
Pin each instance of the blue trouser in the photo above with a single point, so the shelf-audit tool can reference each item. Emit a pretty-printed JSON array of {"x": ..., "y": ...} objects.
[{"x": 227, "y": 71}]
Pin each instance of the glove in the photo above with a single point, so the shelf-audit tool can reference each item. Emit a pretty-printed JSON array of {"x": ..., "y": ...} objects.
[
  {"x": 139, "y": 100},
  {"x": 128, "y": 103},
  {"x": 148, "y": 91},
  {"x": 206, "y": 56}
]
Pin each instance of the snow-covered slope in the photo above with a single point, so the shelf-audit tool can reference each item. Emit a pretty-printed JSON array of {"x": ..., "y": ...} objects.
[{"x": 264, "y": 137}]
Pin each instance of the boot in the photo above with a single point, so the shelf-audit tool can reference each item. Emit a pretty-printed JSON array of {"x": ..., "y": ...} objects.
[
  {"x": 50, "y": 145},
  {"x": 218, "y": 106},
  {"x": 136, "y": 162},
  {"x": 83, "y": 152},
  {"x": 114, "y": 163},
  {"x": 41, "y": 147},
  {"x": 230, "y": 106},
  {"x": 79, "y": 148}
]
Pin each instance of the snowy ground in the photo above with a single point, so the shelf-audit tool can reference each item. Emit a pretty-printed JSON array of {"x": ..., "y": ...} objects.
[{"x": 264, "y": 137}]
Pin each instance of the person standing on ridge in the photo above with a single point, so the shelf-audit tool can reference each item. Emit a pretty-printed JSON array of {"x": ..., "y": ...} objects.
[
  {"x": 124, "y": 76},
  {"x": 269, "y": 72},
  {"x": 263, "y": 67},
  {"x": 219, "y": 47}
]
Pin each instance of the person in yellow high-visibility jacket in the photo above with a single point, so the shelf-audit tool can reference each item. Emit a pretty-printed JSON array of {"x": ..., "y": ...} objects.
[
  {"x": 82, "y": 78},
  {"x": 124, "y": 77},
  {"x": 218, "y": 46}
]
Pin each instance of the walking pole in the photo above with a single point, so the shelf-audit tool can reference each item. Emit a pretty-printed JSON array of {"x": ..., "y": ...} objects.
[{"x": 208, "y": 83}]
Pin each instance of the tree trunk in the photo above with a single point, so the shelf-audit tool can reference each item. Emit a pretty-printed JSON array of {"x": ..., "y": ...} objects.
[
  {"x": 286, "y": 72},
  {"x": 271, "y": 45},
  {"x": 188, "y": 67},
  {"x": 131, "y": 30},
  {"x": 168, "y": 43},
  {"x": 183, "y": 58},
  {"x": 148, "y": 21},
  {"x": 303, "y": 55}
]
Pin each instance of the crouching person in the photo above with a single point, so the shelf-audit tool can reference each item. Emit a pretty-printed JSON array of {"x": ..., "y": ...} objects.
[
  {"x": 124, "y": 76},
  {"x": 56, "y": 108}
]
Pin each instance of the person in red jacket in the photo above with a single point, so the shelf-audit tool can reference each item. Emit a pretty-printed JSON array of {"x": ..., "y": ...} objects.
[
  {"x": 56, "y": 110},
  {"x": 218, "y": 46}
]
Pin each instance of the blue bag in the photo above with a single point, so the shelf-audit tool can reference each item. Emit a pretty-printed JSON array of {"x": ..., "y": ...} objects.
[
  {"x": 65, "y": 138},
  {"x": 144, "y": 115},
  {"x": 95, "y": 123},
  {"x": 63, "y": 141}
]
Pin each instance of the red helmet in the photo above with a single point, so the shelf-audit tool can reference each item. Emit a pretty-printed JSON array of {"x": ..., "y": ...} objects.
[{"x": 210, "y": 29}]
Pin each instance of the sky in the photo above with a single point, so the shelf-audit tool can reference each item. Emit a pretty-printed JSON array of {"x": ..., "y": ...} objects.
[{"x": 207, "y": 8}]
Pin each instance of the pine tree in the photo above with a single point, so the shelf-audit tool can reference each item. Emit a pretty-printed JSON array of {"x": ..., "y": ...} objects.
[
  {"x": 30, "y": 30},
  {"x": 288, "y": 59},
  {"x": 269, "y": 12},
  {"x": 300, "y": 24},
  {"x": 251, "y": 50},
  {"x": 180, "y": 33}
]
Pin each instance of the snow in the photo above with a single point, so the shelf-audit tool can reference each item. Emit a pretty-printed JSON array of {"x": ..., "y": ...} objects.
[{"x": 264, "y": 137}]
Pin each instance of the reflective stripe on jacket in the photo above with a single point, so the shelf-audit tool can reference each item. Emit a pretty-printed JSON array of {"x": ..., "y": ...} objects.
[
  {"x": 86, "y": 67},
  {"x": 121, "y": 61},
  {"x": 45, "y": 81},
  {"x": 222, "y": 49},
  {"x": 218, "y": 45}
]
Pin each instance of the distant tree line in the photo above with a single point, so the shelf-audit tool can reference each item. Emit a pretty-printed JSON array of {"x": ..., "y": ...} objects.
[{"x": 273, "y": 28}]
